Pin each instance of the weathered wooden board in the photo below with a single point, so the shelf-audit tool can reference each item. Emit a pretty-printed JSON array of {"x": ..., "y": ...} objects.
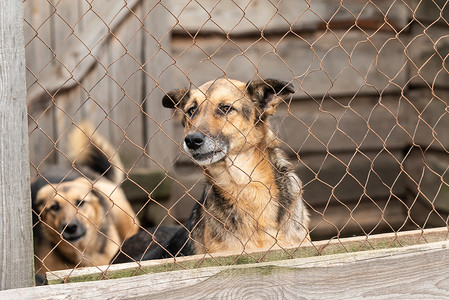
[
  {"x": 427, "y": 184},
  {"x": 381, "y": 274},
  {"x": 316, "y": 248},
  {"x": 407, "y": 272},
  {"x": 429, "y": 119},
  {"x": 118, "y": 86},
  {"x": 336, "y": 63},
  {"x": 344, "y": 124},
  {"x": 158, "y": 65},
  {"x": 38, "y": 41},
  {"x": 82, "y": 52},
  {"x": 125, "y": 90},
  {"x": 428, "y": 51},
  {"x": 246, "y": 17},
  {"x": 358, "y": 219},
  {"x": 435, "y": 11},
  {"x": 389, "y": 275},
  {"x": 16, "y": 242}
]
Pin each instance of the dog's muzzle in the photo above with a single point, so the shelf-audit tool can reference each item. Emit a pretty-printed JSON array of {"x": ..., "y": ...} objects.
[
  {"x": 203, "y": 149},
  {"x": 73, "y": 231}
]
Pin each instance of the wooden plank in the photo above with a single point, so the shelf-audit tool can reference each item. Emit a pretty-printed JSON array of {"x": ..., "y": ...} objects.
[
  {"x": 359, "y": 122},
  {"x": 37, "y": 32},
  {"x": 427, "y": 184},
  {"x": 16, "y": 242},
  {"x": 325, "y": 247},
  {"x": 428, "y": 118},
  {"x": 126, "y": 90},
  {"x": 391, "y": 275},
  {"x": 158, "y": 66},
  {"x": 322, "y": 63},
  {"x": 82, "y": 52},
  {"x": 344, "y": 178},
  {"x": 358, "y": 218},
  {"x": 65, "y": 25},
  {"x": 243, "y": 17},
  {"x": 415, "y": 270},
  {"x": 39, "y": 57},
  {"x": 428, "y": 50},
  {"x": 435, "y": 11},
  {"x": 65, "y": 22}
]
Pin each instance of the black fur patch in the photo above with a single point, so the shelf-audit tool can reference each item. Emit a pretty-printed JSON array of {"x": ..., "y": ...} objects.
[
  {"x": 227, "y": 212},
  {"x": 102, "y": 199},
  {"x": 181, "y": 242},
  {"x": 282, "y": 169},
  {"x": 99, "y": 162},
  {"x": 179, "y": 245},
  {"x": 176, "y": 98},
  {"x": 134, "y": 248},
  {"x": 247, "y": 111},
  {"x": 104, "y": 229},
  {"x": 263, "y": 91}
]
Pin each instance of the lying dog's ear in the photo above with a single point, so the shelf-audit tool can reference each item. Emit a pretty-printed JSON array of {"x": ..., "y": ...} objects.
[
  {"x": 267, "y": 94},
  {"x": 176, "y": 98},
  {"x": 101, "y": 198}
]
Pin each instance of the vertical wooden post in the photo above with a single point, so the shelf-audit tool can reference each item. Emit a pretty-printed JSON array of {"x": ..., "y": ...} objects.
[
  {"x": 157, "y": 62},
  {"x": 16, "y": 242}
]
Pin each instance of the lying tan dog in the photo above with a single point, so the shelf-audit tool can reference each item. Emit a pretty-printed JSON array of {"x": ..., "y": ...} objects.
[
  {"x": 253, "y": 198},
  {"x": 82, "y": 214}
]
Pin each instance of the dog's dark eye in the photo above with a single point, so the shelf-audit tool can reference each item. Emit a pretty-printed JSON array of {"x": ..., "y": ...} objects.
[
  {"x": 191, "y": 111},
  {"x": 80, "y": 203},
  {"x": 55, "y": 207},
  {"x": 226, "y": 108}
]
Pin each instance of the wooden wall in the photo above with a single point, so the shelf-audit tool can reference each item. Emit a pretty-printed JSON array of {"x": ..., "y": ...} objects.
[
  {"x": 366, "y": 126},
  {"x": 102, "y": 62}
]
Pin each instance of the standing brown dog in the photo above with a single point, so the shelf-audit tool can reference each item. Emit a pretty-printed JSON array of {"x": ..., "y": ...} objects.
[
  {"x": 253, "y": 197},
  {"x": 82, "y": 215}
]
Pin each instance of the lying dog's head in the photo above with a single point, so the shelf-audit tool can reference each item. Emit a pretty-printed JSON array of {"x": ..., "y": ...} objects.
[
  {"x": 71, "y": 211},
  {"x": 224, "y": 117}
]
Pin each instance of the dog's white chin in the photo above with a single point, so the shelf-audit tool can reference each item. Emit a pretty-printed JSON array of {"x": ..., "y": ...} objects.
[
  {"x": 209, "y": 160},
  {"x": 211, "y": 152}
]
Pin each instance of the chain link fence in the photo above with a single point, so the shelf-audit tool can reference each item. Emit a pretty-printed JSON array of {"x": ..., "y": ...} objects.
[{"x": 365, "y": 126}]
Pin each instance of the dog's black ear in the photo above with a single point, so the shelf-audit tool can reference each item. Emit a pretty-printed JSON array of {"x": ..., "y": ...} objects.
[
  {"x": 267, "y": 94},
  {"x": 102, "y": 198},
  {"x": 176, "y": 98}
]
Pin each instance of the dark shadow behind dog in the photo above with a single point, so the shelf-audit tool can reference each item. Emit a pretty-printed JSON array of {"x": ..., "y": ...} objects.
[
  {"x": 144, "y": 241},
  {"x": 80, "y": 214}
]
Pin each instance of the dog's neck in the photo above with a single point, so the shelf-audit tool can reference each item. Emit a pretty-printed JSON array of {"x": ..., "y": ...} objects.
[{"x": 244, "y": 175}]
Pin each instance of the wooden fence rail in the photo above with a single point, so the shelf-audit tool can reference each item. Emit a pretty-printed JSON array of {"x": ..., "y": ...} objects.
[{"x": 418, "y": 272}]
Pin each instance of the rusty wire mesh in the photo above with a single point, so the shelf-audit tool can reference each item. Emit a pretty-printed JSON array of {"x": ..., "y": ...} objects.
[{"x": 366, "y": 127}]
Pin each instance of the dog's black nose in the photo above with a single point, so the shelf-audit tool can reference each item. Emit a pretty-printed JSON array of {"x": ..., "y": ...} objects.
[
  {"x": 72, "y": 231},
  {"x": 194, "y": 140},
  {"x": 71, "y": 228}
]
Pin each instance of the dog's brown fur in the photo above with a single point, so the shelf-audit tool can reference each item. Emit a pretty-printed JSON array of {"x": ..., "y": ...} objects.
[
  {"x": 253, "y": 198},
  {"x": 83, "y": 214}
]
